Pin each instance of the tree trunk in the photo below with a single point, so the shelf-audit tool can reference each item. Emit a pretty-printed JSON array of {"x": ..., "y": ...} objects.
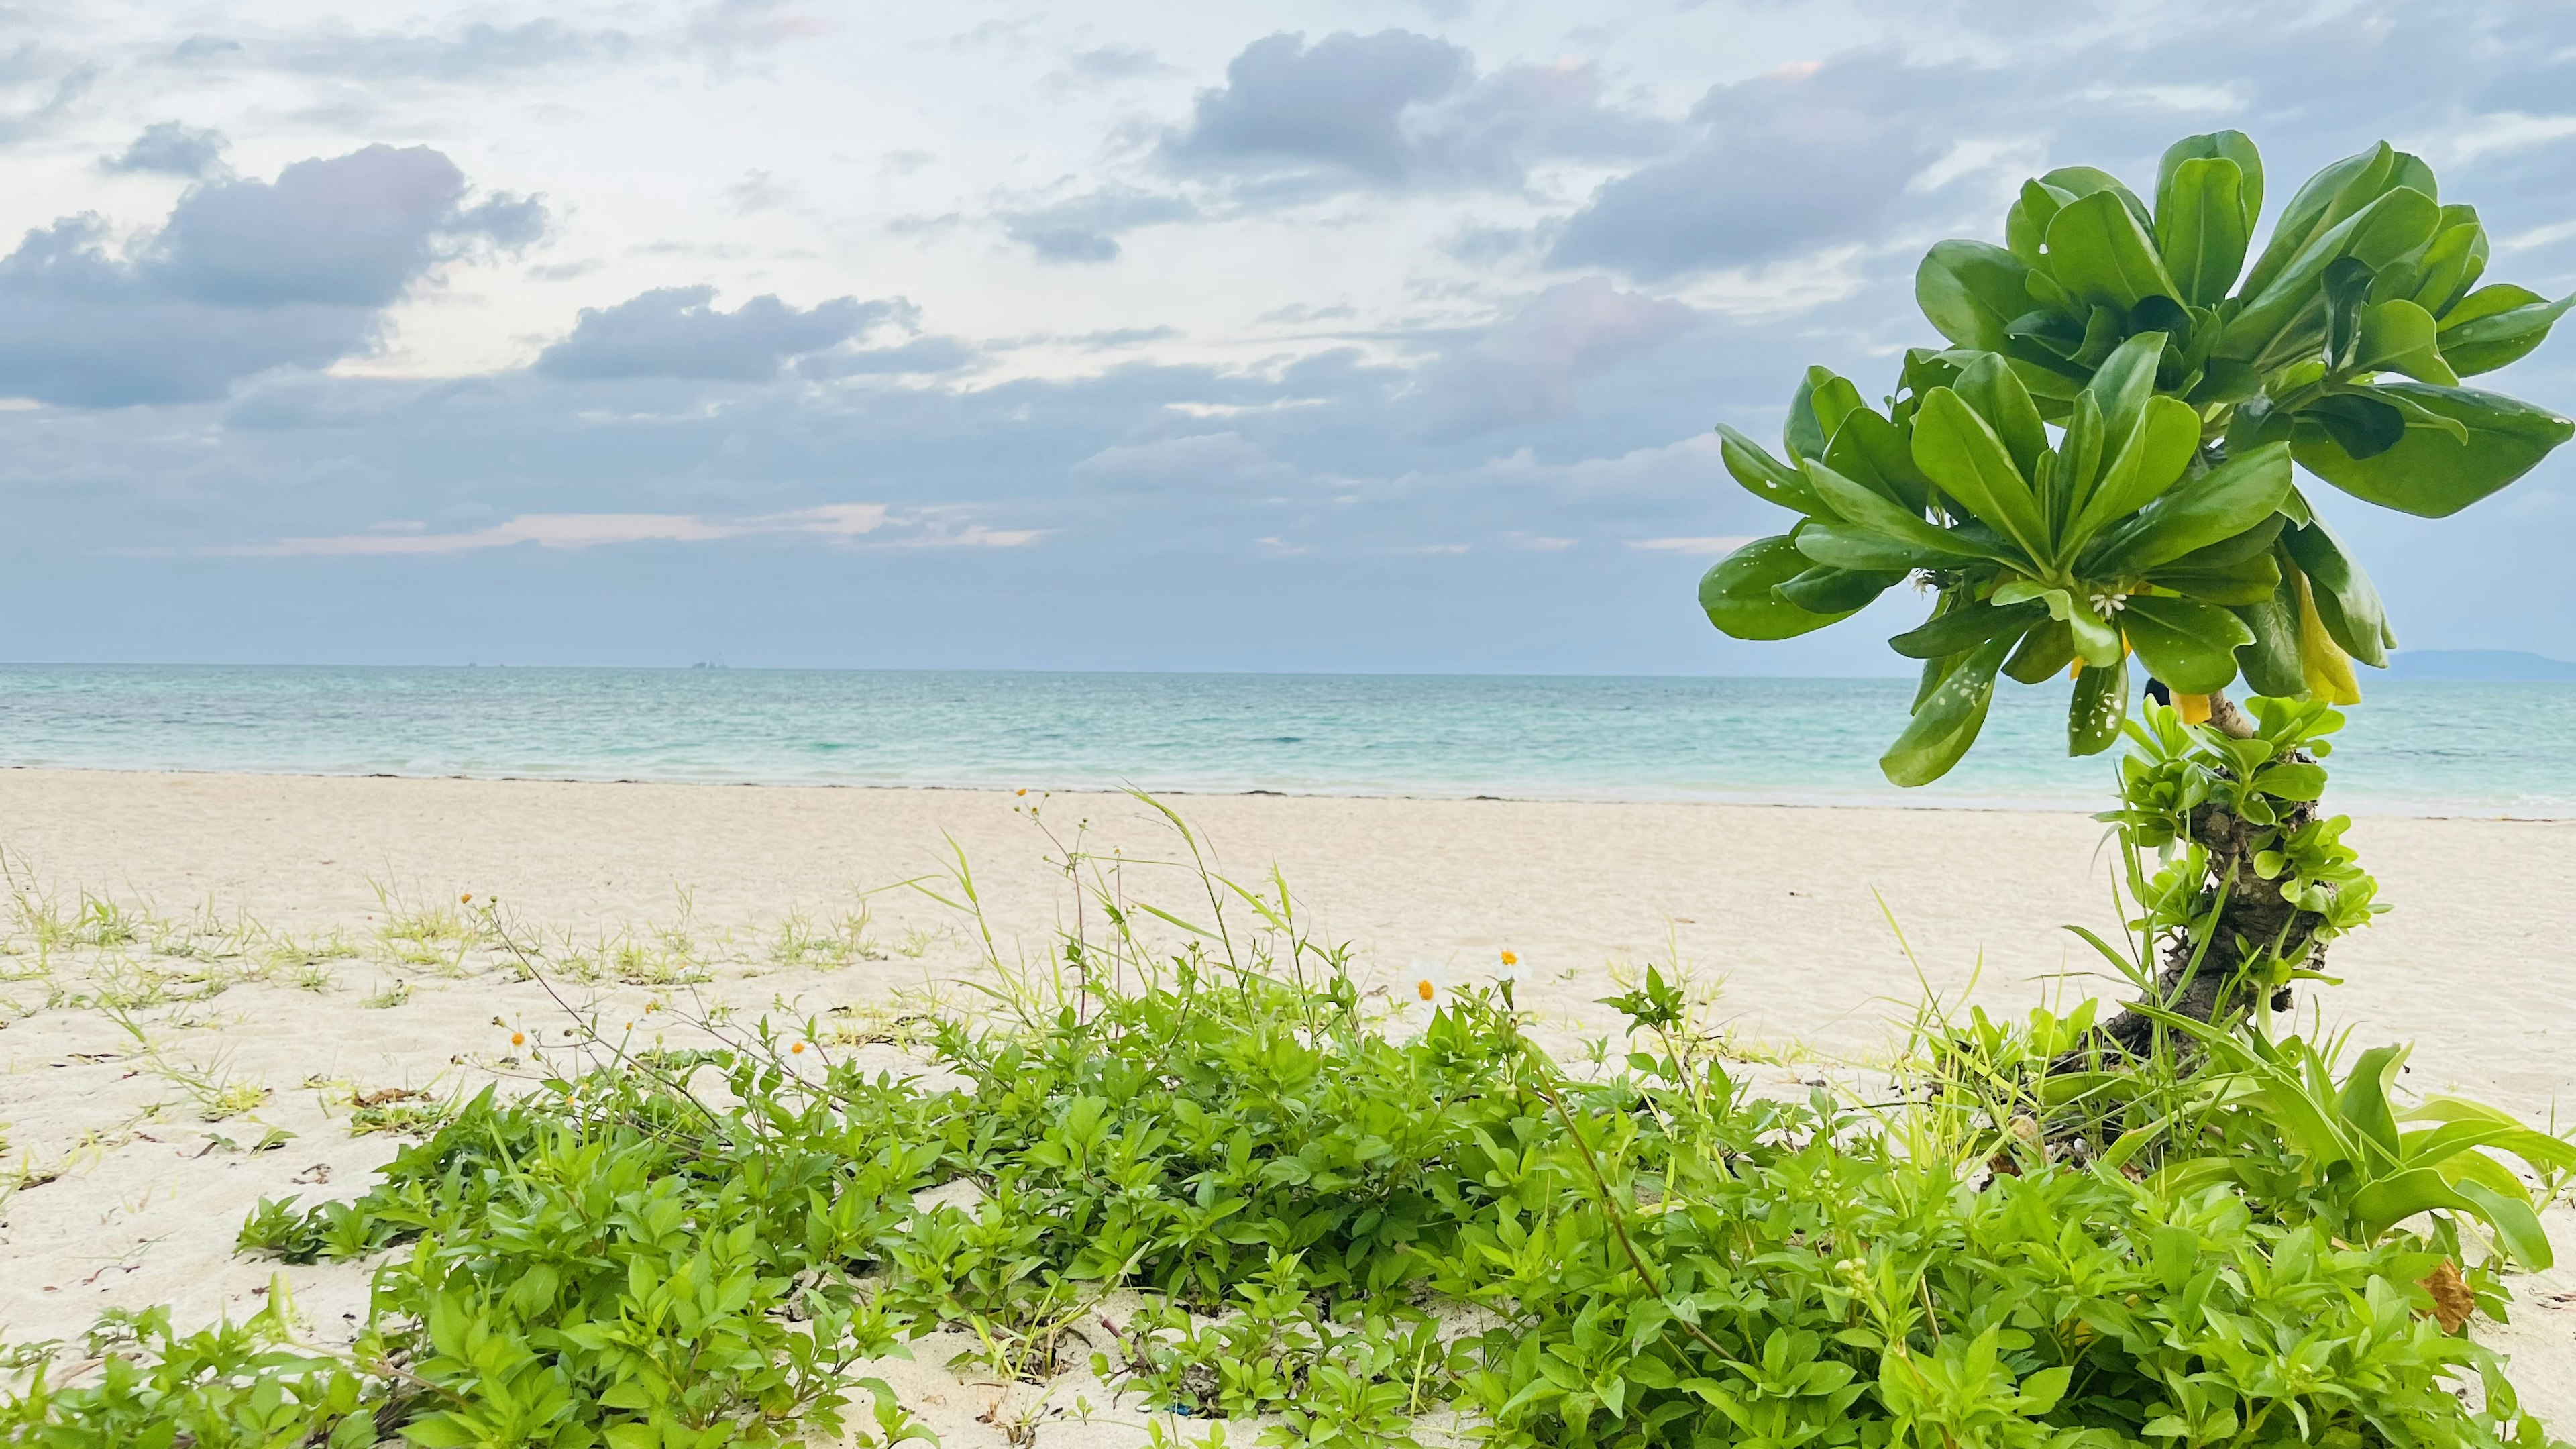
[{"x": 2252, "y": 925}]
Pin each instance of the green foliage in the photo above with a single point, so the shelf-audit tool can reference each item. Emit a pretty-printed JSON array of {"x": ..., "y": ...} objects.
[
  {"x": 1341, "y": 1216},
  {"x": 2100, "y": 463}
]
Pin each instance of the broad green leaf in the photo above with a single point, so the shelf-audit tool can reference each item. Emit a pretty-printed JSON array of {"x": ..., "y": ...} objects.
[
  {"x": 2321, "y": 202},
  {"x": 2427, "y": 471},
  {"x": 2124, "y": 382},
  {"x": 2099, "y": 706},
  {"x": 2487, "y": 342},
  {"x": 1738, "y": 596},
  {"x": 2390, "y": 1199},
  {"x": 2451, "y": 265},
  {"x": 2026, "y": 225},
  {"x": 2398, "y": 336},
  {"x": 1870, "y": 450},
  {"x": 2043, "y": 653},
  {"x": 2271, "y": 663},
  {"x": 2230, "y": 498},
  {"x": 1848, "y": 546},
  {"x": 2102, "y": 256},
  {"x": 2288, "y": 315},
  {"x": 2346, "y": 602},
  {"x": 1970, "y": 291},
  {"x": 2249, "y": 581},
  {"x": 1865, "y": 508},
  {"x": 2231, "y": 146},
  {"x": 1766, "y": 477},
  {"x": 1962, "y": 456},
  {"x": 1965, "y": 627},
  {"x": 1989, "y": 386},
  {"x": 2363, "y": 1102},
  {"x": 2190, "y": 646},
  {"x": 2078, "y": 182},
  {"x": 1815, "y": 410},
  {"x": 1948, "y": 721},
  {"x": 1837, "y": 592},
  {"x": 2158, "y": 451},
  {"x": 2517, "y": 1228},
  {"x": 2202, "y": 228}
]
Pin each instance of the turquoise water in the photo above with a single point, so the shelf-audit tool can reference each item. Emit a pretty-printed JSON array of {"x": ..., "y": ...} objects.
[{"x": 2414, "y": 747}]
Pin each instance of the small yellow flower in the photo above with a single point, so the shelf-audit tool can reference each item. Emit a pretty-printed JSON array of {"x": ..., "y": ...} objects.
[
  {"x": 1511, "y": 958},
  {"x": 466, "y": 899},
  {"x": 1426, "y": 989},
  {"x": 518, "y": 1038},
  {"x": 796, "y": 1049},
  {"x": 1019, "y": 792}
]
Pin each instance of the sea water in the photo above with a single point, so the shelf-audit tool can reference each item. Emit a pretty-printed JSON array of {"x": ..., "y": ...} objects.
[{"x": 2433, "y": 748}]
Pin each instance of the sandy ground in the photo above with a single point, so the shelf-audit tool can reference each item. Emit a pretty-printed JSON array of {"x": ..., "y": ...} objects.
[{"x": 253, "y": 928}]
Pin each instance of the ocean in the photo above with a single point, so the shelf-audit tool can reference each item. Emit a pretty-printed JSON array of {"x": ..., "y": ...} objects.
[{"x": 2412, "y": 747}]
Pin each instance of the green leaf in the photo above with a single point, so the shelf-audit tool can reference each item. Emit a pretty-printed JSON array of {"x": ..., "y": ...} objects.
[
  {"x": 2043, "y": 653},
  {"x": 1865, "y": 508},
  {"x": 2346, "y": 602},
  {"x": 2288, "y": 316},
  {"x": 1738, "y": 596},
  {"x": 1870, "y": 450},
  {"x": 1989, "y": 386},
  {"x": 2231, "y": 146},
  {"x": 2078, "y": 182},
  {"x": 2158, "y": 451},
  {"x": 2097, "y": 709},
  {"x": 2324, "y": 200},
  {"x": 2516, "y": 1226},
  {"x": 2221, "y": 503},
  {"x": 2486, "y": 342},
  {"x": 1947, "y": 724},
  {"x": 2202, "y": 227},
  {"x": 2190, "y": 646},
  {"x": 2451, "y": 265},
  {"x": 1848, "y": 546},
  {"x": 2271, "y": 663},
  {"x": 1965, "y": 628},
  {"x": 2250, "y": 581},
  {"x": 2363, "y": 1102},
  {"x": 2399, "y": 336},
  {"x": 2427, "y": 472},
  {"x": 1970, "y": 291},
  {"x": 2026, "y": 225},
  {"x": 1766, "y": 477},
  {"x": 1837, "y": 592},
  {"x": 1962, "y": 456},
  {"x": 1815, "y": 410},
  {"x": 2101, "y": 254}
]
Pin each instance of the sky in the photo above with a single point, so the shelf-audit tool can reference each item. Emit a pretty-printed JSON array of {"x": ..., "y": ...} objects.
[{"x": 1128, "y": 335}]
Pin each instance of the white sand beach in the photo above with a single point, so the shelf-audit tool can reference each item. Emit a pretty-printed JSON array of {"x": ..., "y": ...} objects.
[{"x": 277, "y": 894}]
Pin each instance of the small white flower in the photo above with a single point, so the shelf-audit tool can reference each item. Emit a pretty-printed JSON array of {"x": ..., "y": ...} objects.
[{"x": 1427, "y": 982}]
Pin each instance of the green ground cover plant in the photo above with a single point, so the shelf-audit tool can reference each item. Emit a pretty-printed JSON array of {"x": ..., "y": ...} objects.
[{"x": 1211, "y": 1164}]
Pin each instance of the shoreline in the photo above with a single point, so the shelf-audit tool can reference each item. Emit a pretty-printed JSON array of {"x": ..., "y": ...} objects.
[{"x": 1901, "y": 801}]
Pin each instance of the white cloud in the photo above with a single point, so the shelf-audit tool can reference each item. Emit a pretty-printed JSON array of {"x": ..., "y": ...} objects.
[
  {"x": 1711, "y": 547},
  {"x": 594, "y": 530}
]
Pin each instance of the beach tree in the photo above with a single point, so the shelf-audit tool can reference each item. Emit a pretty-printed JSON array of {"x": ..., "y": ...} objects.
[{"x": 2111, "y": 460}]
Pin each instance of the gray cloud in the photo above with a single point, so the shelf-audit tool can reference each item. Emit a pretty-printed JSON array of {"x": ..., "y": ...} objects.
[
  {"x": 1528, "y": 366},
  {"x": 245, "y": 275},
  {"x": 167, "y": 148},
  {"x": 1788, "y": 162},
  {"x": 678, "y": 332},
  {"x": 1394, "y": 109},
  {"x": 472, "y": 52},
  {"x": 1087, "y": 228}
]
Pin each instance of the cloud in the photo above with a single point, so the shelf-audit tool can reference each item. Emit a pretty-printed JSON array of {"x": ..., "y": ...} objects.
[
  {"x": 1788, "y": 162},
  {"x": 1203, "y": 464},
  {"x": 1087, "y": 228},
  {"x": 1394, "y": 109},
  {"x": 1527, "y": 367},
  {"x": 678, "y": 332},
  {"x": 843, "y": 521},
  {"x": 168, "y": 148},
  {"x": 474, "y": 52},
  {"x": 243, "y": 276}
]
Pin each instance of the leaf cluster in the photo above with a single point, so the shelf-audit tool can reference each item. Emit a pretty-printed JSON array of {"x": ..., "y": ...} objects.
[{"x": 2100, "y": 463}]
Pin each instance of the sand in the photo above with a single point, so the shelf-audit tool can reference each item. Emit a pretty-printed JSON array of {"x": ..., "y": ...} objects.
[{"x": 1795, "y": 913}]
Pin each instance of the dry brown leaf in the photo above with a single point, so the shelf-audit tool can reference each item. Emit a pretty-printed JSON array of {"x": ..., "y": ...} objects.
[{"x": 2452, "y": 1305}]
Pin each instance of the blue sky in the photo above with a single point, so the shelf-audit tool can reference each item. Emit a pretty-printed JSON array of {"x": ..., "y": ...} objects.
[{"x": 1128, "y": 335}]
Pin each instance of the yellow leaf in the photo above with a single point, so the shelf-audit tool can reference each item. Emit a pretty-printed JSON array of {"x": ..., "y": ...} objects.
[
  {"x": 2322, "y": 662},
  {"x": 2194, "y": 708}
]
